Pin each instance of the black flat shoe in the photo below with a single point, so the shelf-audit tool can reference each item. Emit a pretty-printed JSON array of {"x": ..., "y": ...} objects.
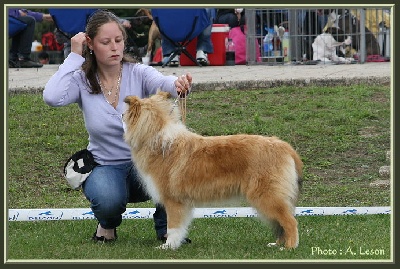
[
  {"x": 27, "y": 63},
  {"x": 102, "y": 239}
]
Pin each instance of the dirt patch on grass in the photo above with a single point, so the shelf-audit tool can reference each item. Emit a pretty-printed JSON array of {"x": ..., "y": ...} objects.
[
  {"x": 380, "y": 97},
  {"x": 369, "y": 131}
]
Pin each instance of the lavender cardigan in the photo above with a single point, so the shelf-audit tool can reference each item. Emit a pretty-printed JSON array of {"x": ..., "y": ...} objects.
[{"x": 103, "y": 122}]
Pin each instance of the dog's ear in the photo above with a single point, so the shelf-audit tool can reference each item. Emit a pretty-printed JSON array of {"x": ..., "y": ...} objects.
[
  {"x": 133, "y": 111},
  {"x": 132, "y": 100}
]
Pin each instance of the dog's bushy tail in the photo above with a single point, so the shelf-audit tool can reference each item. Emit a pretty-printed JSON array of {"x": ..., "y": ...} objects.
[{"x": 299, "y": 169}]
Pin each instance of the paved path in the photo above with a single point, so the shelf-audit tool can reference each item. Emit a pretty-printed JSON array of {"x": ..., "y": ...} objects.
[{"x": 239, "y": 76}]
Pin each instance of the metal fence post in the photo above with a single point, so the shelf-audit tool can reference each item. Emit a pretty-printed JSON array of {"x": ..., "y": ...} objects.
[
  {"x": 363, "y": 51},
  {"x": 251, "y": 36},
  {"x": 294, "y": 40}
]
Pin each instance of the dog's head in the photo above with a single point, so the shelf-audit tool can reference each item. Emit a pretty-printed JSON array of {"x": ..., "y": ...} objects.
[
  {"x": 157, "y": 108},
  {"x": 144, "y": 12},
  {"x": 147, "y": 117},
  {"x": 156, "y": 104}
]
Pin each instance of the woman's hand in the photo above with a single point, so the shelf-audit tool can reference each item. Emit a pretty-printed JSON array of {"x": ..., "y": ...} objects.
[
  {"x": 23, "y": 12},
  {"x": 126, "y": 24},
  {"x": 183, "y": 84},
  {"x": 77, "y": 43}
]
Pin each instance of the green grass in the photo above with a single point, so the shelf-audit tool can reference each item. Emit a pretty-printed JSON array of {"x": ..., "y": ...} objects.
[
  {"x": 341, "y": 133},
  {"x": 213, "y": 239}
]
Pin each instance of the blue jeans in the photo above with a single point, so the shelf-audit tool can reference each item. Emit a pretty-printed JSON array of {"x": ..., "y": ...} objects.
[
  {"x": 110, "y": 187},
  {"x": 203, "y": 40},
  {"x": 22, "y": 43}
]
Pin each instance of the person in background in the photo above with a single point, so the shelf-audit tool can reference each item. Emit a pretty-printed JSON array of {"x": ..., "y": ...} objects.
[
  {"x": 229, "y": 16},
  {"x": 98, "y": 75},
  {"x": 21, "y": 43},
  {"x": 203, "y": 47}
]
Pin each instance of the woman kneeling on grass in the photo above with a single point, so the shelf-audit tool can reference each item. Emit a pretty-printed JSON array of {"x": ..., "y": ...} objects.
[{"x": 98, "y": 76}]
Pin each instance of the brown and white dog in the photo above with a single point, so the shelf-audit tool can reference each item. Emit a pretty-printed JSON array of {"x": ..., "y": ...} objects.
[
  {"x": 181, "y": 169},
  {"x": 154, "y": 32}
]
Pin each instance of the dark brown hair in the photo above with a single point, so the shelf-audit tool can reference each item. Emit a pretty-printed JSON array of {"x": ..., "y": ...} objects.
[{"x": 99, "y": 18}]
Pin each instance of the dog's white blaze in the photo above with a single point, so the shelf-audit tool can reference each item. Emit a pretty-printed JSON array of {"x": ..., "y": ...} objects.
[{"x": 151, "y": 187}]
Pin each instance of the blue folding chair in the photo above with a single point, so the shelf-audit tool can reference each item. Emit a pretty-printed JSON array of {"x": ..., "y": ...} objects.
[
  {"x": 70, "y": 21},
  {"x": 15, "y": 26},
  {"x": 180, "y": 27}
]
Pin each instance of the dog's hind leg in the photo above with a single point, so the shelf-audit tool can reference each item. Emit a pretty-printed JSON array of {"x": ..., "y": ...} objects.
[
  {"x": 280, "y": 215},
  {"x": 179, "y": 217}
]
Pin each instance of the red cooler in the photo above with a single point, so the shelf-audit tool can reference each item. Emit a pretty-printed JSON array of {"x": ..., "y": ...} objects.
[
  {"x": 219, "y": 33},
  {"x": 191, "y": 48}
]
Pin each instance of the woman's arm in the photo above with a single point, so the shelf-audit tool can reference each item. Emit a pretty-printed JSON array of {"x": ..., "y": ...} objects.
[
  {"x": 154, "y": 80},
  {"x": 63, "y": 87}
]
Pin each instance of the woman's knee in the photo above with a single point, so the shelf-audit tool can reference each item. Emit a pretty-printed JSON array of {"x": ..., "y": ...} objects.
[
  {"x": 104, "y": 207},
  {"x": 106, "y": 192},
  {"x": 29, "y": 20}
]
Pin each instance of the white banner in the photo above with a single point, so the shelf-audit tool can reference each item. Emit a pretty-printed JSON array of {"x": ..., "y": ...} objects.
[{"x": 146, "y": 213}]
